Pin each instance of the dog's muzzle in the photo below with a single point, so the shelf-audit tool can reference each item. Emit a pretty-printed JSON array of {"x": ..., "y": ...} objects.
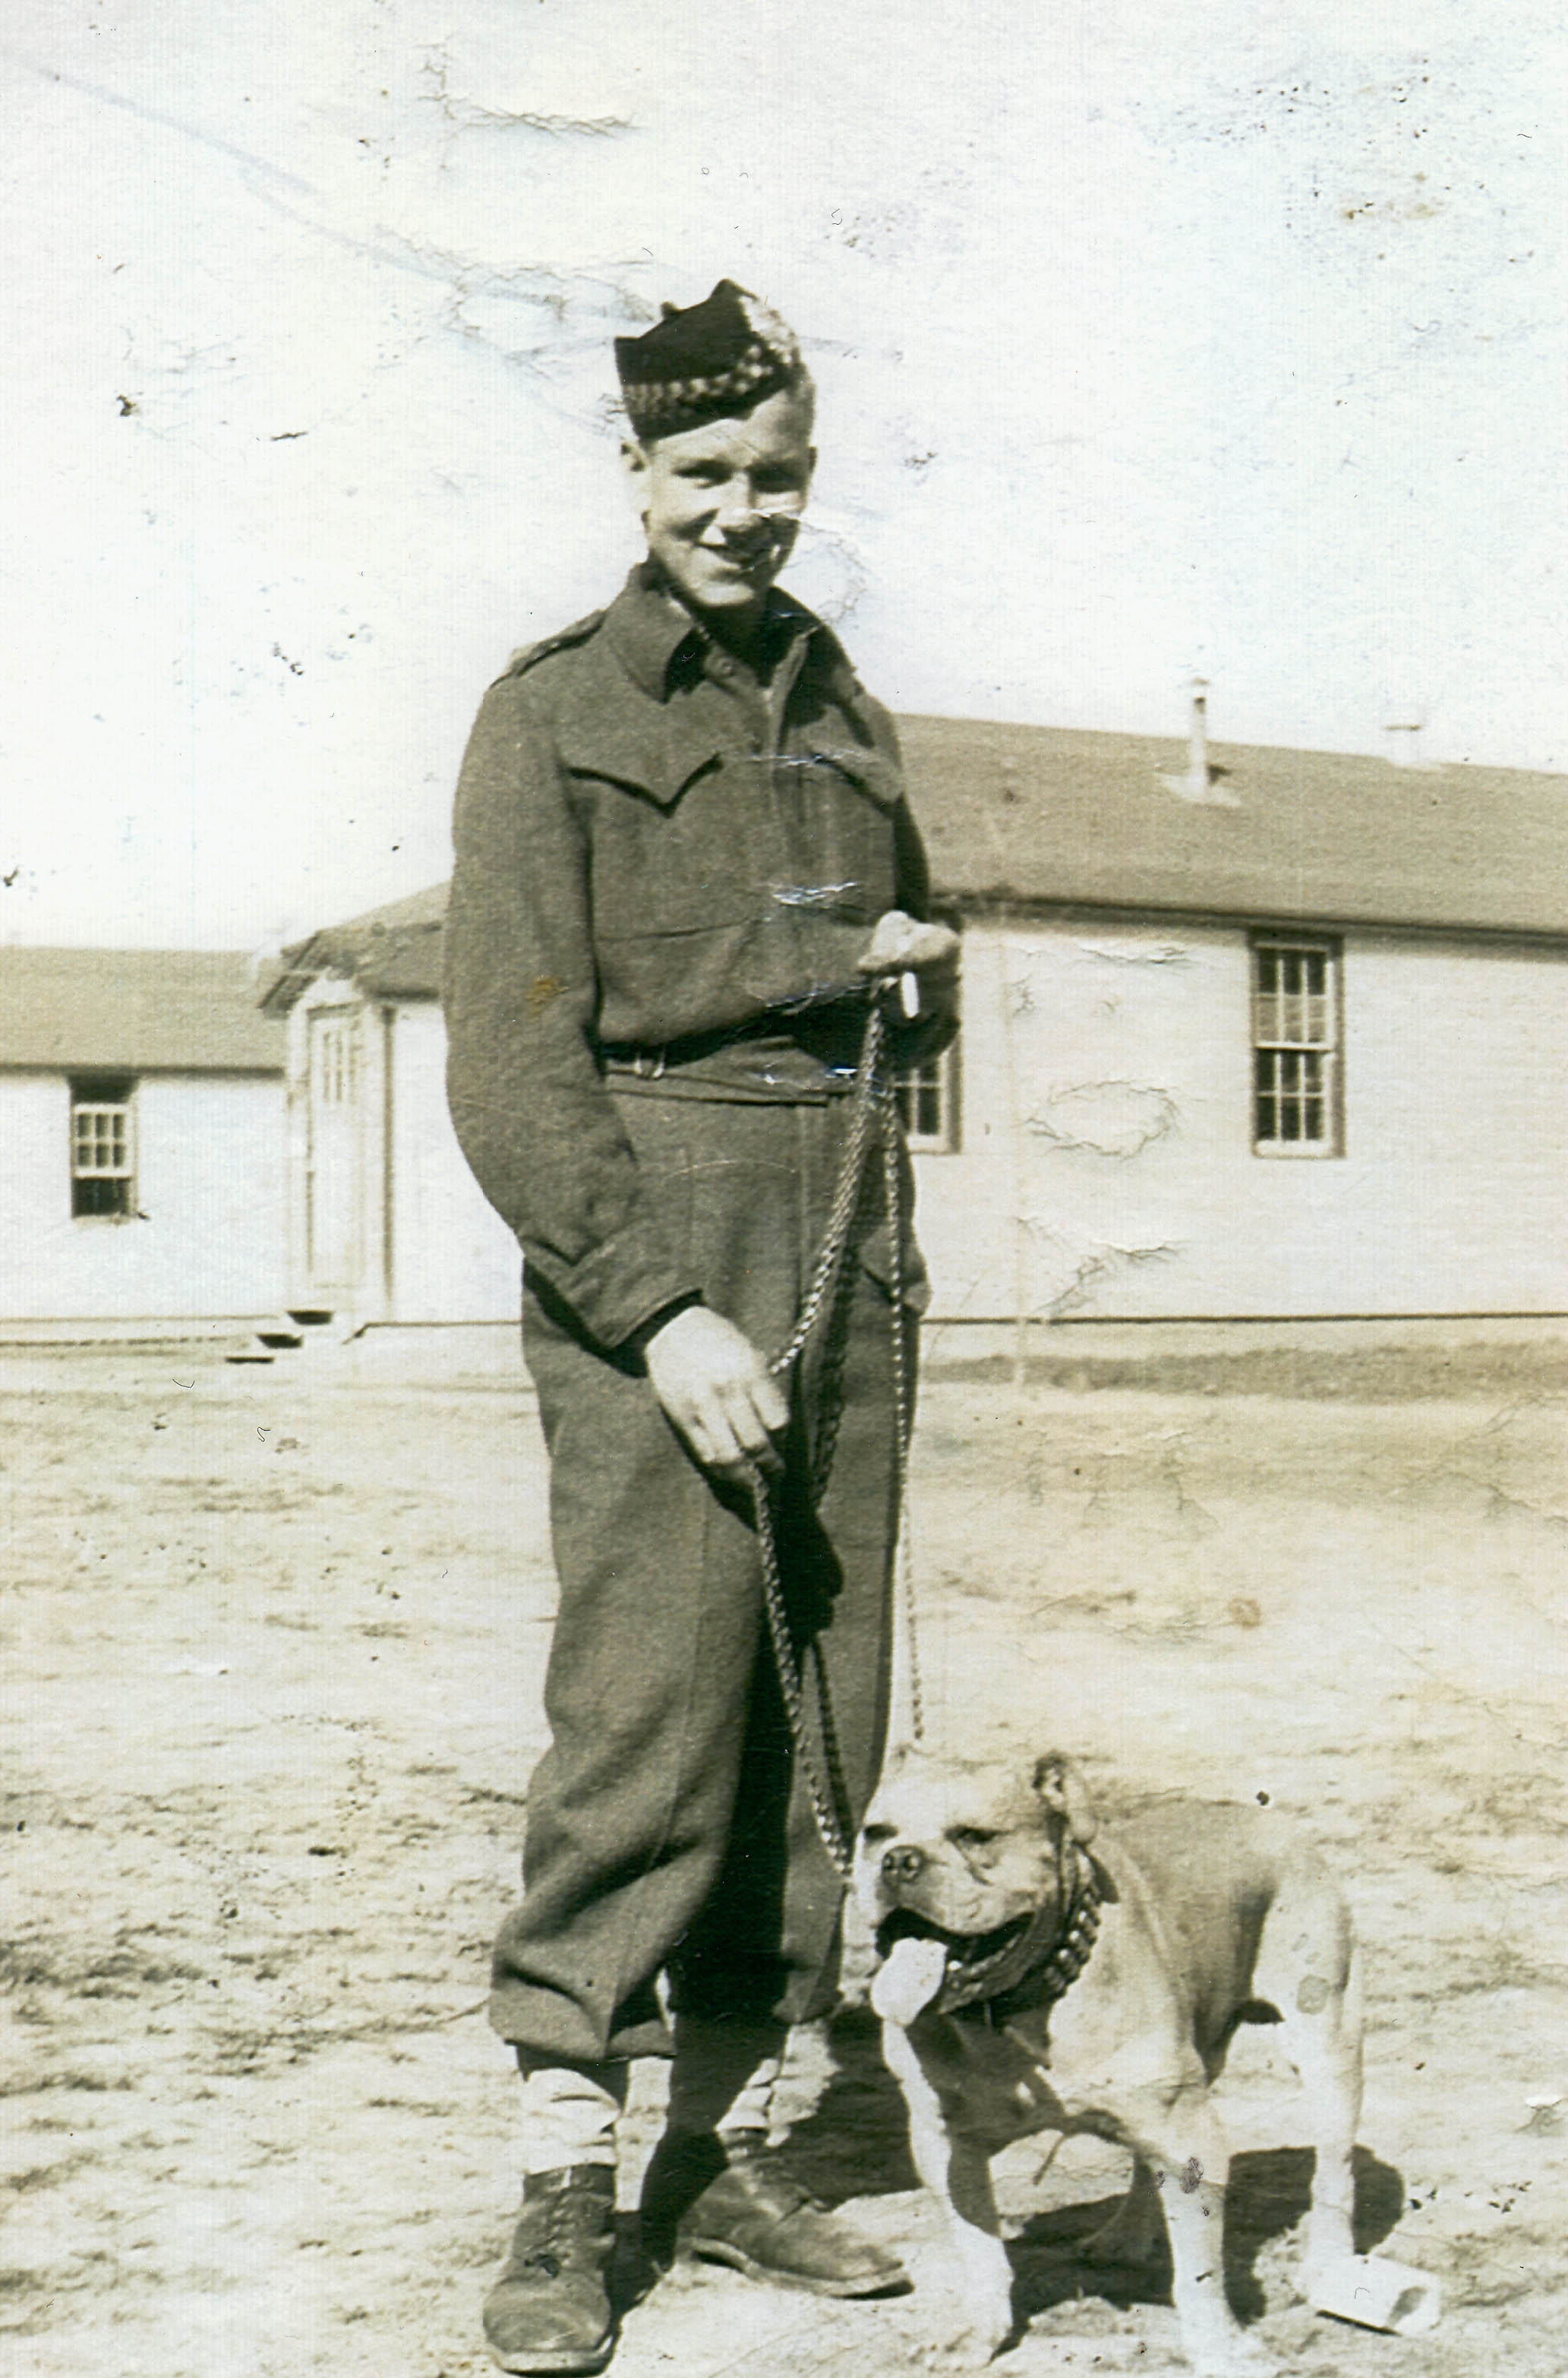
[{"x": 1040, "y": 1954}]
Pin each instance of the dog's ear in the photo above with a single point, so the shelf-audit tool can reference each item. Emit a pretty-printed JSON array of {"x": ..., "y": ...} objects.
[{"x": 1066, "y": 1794}]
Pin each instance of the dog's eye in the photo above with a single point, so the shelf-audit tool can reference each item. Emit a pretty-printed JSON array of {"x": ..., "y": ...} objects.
[
  {"x": 872, "y": 1834},
  {"x": 971, "y": 1837}
]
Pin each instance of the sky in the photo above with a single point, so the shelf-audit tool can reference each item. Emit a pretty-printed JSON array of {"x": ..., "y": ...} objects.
[{"x": 1154, "y": 337}]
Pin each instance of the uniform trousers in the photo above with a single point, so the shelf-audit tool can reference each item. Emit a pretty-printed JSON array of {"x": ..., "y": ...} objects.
[{"x": 668, "y": 1830}]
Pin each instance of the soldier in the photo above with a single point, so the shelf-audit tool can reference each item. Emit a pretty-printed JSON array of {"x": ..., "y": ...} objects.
[{"x": 683, "y": 858}]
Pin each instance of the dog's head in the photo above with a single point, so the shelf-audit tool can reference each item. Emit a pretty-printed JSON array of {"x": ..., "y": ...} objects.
[{"x": 966, "y": 1856}]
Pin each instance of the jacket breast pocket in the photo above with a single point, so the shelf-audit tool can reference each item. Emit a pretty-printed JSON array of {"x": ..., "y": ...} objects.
[
  {"x": 667, "y": 866},
  {"x": 845, "y": 806}
]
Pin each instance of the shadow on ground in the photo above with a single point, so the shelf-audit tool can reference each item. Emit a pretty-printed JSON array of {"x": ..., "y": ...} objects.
[
  {"x": 861, "y": 2108},
  {"x": 1267, "y": 2197}
]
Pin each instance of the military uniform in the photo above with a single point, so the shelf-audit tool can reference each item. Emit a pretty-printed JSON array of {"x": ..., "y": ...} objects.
[{"x": 667, "y": 867}]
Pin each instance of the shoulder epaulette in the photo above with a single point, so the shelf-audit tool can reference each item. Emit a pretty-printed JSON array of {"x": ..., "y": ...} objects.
[{"x": 564, "y": 639}]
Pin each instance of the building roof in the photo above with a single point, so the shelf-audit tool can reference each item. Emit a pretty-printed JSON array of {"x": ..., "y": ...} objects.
[
  {"x": 393, "y": 952},
  {"x": 1064, "y": 817},
  {"x": 1043, "y": 813},
  {"x": 134, "y": 1012}
]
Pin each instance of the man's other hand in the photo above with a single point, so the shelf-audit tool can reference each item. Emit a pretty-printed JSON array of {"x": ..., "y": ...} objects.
[
  {"x": 900, "y": 945},
  {"x": 716, "y": 1388}
]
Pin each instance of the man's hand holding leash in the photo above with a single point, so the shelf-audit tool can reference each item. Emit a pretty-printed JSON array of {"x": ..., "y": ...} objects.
[
  {"x": 715, "y": 1386},
  {"x": 919, "y": 964}
]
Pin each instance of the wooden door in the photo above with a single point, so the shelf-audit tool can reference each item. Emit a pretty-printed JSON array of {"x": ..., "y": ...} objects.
[{"x": 335, "y": 1173}]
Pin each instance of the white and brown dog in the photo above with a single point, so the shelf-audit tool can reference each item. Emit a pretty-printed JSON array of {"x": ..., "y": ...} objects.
[{"x": 1038, "y": 1975}]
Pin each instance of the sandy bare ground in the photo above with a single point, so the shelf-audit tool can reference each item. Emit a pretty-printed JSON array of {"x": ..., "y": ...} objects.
[{"x": 273, "y": 1646}]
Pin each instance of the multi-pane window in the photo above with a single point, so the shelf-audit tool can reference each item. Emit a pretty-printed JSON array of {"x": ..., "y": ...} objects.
[
  {"x": 102, "y": 1147},
  {"x": 335, "y": 1056},
  {"x": 1295, "y": 1047},
  {"x": 927, "y": 1100}
]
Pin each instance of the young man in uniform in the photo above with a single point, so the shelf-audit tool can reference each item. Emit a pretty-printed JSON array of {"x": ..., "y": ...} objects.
[{"x": 684, "y": 863}]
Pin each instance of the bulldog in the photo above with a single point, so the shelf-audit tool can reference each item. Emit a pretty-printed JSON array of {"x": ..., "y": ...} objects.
[{"x": 1038, "y": 1974}]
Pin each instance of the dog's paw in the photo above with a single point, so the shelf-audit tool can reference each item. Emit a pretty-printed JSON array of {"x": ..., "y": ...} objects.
[
  {"x": 1240, "y": 2356},
  {"x": 1328, "y": 2244},
  {"x": 960, "y": 2327},
  {"x": 1306, "y": 2282},
  {"x": 971, "y": 2345}
]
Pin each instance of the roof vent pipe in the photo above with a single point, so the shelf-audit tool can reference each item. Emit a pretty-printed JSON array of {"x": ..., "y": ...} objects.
[
  {"x": 1403, "y": 745},
  {"x": 1198, "y": 782},
  {"x": 1198, "y": 739}
]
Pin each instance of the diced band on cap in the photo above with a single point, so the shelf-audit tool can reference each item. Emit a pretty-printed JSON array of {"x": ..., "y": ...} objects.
[{"x": 701, "y": 361}]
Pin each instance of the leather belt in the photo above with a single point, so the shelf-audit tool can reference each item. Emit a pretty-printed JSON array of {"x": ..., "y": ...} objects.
[{"x": 651, "y": 1061}]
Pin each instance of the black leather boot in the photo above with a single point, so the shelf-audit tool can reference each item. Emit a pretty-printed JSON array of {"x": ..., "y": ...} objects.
[
  {"x": 754, "y": 2215},
  {"x": 549, "y": 2309}
]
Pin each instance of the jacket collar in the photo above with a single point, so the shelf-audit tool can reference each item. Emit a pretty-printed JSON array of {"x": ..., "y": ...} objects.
[
  {"x": 651, "y": 632},
  {"x": 647, "y": 628},
  {"x": 657, "y": 645}
]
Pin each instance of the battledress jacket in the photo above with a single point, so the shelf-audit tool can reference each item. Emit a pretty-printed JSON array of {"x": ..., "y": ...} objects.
[{"x": 660, "y": 868}]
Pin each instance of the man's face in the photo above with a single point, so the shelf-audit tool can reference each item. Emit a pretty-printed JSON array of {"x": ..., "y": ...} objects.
[{"x": 722, "y": 503}]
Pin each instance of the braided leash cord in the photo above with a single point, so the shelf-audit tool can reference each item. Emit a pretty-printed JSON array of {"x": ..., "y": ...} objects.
[
  {"x": 865, "y": 1116},
  {"x": 904, "y": 1394},
  {"x": 874, "y": 1111}
]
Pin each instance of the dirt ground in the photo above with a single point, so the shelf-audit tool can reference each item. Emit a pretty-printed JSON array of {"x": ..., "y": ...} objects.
[{"x": 273, "y": 1649}]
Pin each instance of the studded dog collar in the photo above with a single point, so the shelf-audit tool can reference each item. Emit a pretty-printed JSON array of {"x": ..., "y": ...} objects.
[{"x": 1042, "y": 1965}]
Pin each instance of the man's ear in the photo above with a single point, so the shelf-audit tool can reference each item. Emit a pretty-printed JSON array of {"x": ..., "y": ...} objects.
[
  {"x": 1066, "y": 1794},
  {"x": 634, "y": 463}
]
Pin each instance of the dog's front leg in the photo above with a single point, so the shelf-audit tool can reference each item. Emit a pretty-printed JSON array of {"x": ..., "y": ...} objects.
[
  {"x": 1189, "y": 2163},
  {"x": 979, "y": 2281}
]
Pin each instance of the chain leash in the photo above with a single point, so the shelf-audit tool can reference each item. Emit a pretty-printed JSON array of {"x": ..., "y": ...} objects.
[
  {"x": 873, "y": 1113},
  {"x": 904, "y": 1394}
]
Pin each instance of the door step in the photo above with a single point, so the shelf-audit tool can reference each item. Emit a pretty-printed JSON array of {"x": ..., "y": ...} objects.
[{"x": 285, "y": 1336}]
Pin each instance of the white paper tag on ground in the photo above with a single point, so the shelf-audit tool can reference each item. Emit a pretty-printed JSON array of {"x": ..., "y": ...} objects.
[
  {"x": 909, "y": 1980},
  {"x": 1379, "y": 2294}
]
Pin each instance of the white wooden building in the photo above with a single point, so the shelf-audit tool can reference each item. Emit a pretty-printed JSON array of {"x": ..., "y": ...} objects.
[
  {"x": 1257, "y": 1033},
  {"x": 385, "y": 1220},
  {"x": 1281, "y": 1033},
  {"x": 141, "y": 1121}
]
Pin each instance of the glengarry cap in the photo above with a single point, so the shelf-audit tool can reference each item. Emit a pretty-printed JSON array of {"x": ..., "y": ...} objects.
[{"x": 701, "y": 361}]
